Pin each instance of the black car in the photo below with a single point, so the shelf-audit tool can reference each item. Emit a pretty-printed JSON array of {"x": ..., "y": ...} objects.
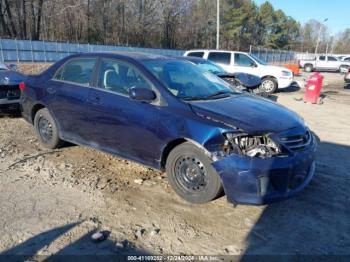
[
  {"x": 241, "y": 81},
  {"x": 10, "y": 93}
]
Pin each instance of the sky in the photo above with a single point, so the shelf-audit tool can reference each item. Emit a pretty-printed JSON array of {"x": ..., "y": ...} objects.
[{"x": 337, "y": 11}]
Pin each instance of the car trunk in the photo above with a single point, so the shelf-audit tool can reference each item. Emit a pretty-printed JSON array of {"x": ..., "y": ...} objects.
[{"x": 10, "y": 92}]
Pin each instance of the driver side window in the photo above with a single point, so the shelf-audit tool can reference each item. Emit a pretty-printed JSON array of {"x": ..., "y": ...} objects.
[
  {"x": 120, "y": 77},
  {"x": 243, "y": 60}
]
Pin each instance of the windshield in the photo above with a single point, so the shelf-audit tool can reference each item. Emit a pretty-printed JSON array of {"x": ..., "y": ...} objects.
[
  {"x": 209, "y": 66},
  {"x": 257, "y": 59},
  {"x": 188, "y": 81}
]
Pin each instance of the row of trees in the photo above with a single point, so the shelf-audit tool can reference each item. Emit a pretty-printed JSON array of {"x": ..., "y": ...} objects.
[{"x": 163, "y": 23}]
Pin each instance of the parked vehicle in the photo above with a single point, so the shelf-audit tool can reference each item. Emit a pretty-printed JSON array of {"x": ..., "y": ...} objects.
[
  {"x": 171, "y": 115},
  {"x": 347, "y": 77},
  {"x": 240, "y": 81},
  {"x": 324, "y": 63},
  {"x": 345, "y": 58},
  {"x": 9, "y": 89},
  {"x": 273, "y": 77}
]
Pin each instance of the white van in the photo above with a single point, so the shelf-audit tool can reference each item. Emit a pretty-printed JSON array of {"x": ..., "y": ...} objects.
[{"x": 273, "y": 77}]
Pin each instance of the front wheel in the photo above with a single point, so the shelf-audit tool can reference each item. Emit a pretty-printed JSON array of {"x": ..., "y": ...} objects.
[
  {"x": 268, "y": 85},
  {"x": 343, "y": 69},
  {"x": 46, "y": 129},
  {"x": 191, "y": 174}
]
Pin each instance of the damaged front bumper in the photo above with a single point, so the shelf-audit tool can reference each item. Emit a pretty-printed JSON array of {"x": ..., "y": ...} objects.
[{"x": 258, "y": 181}]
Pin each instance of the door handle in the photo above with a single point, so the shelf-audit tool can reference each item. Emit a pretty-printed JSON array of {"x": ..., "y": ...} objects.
[{"x": 51, "y": 90}]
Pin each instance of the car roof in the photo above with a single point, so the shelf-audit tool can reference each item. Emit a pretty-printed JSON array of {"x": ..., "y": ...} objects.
[
  {"x": 212, "y": 50},
  {"x": 125, "y": 54}
]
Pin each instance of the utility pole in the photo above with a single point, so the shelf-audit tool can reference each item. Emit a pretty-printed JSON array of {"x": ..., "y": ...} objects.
[
  {"x": 319, "y": 35},
  {"x": 217, "y": 24}
]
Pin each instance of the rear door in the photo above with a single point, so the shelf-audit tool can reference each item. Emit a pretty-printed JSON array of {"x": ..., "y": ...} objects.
[
  {"x": 221, "y": 58},
  {"x": 121, "y": 125},
  {"x": 67, "y": 95}
]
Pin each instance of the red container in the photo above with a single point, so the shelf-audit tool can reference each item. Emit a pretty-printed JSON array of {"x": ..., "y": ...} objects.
[{"x": 313, "y": 88}]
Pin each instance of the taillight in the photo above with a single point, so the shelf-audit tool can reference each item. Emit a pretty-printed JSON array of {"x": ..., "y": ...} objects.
[{"x": 22, "y": 86}]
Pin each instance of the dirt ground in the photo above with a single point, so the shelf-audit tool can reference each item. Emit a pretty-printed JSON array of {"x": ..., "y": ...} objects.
[{"x": 53, "y": 201}]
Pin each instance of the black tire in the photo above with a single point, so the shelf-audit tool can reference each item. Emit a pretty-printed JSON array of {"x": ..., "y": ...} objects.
[
  {"x": 46, "y": 129},
  {"x": 191, "y": 174},
  {"x": 308, "y": 68},
  {"x": 268, "y": 85}
]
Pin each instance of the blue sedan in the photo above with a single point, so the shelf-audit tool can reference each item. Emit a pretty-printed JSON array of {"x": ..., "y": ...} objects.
[{"x": 174, "y": 116}]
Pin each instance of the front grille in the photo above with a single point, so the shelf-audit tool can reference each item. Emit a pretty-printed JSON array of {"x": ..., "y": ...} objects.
[
  {"x": 297, "y": 142},
  {"x": 10, "y": 92}
]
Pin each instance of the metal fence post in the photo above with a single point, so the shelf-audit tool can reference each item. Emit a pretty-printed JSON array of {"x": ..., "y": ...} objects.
[
  {"x": 17, "y": 50},
  {"x": 44, "y": 51},
  {"x": 259, "y": 52},
  {"x": 2, "y": 52},
  {"x": 57, "y": 58},
  {"x": 266, "y": 58},
  {"x": 280, "y": 56},
  {"x": 88, "y": 47},
  {"x": 250, "y": 49},
  {"x": 31, "y": 50},
  {"x": 68, "y": 47}
]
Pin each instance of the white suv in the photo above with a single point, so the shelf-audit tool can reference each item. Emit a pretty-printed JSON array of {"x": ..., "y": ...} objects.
[{"x": 273, "y": 77}]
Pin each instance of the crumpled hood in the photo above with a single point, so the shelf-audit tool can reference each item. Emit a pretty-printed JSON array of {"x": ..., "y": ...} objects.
[
  {"x": 249, "y": 113},
  {"x": 247, "y": 80},
  {"x": 9, "y": 77}
]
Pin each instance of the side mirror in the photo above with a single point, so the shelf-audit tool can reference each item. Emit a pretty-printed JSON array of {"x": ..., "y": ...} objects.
[
  {"x": 253, "y": 65},
  {"x": 142, "y": 94},
  {"x": 13, "y": 67}
]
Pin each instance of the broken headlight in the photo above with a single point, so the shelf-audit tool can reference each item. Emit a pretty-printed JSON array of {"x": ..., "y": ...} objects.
[{"x": 253, "y": 146}]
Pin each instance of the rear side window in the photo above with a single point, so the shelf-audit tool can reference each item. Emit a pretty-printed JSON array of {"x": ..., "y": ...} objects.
[
  {"x": 332, "y": 58},
  {"x": 196, "y": 54},
  {"x": 220, "y": 57},
  {"x": 347, "y": 59},
  {"x": 77, "y": 71}
]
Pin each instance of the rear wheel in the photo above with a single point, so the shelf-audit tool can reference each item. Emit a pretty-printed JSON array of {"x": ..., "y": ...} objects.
[
  {"x": 46, "y": 129},
  {"x": 308, "y": 68},
  {"x": 191, "y": 174},
  {"x": 268, "y": 85}
]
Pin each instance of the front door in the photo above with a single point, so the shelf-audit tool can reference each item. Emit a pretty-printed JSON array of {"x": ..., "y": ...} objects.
[
  {"x": 123, "y": 126},
  {"x": 244, "y": 64}
]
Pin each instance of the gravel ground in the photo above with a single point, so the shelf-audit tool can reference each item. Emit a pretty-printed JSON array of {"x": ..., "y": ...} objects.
[{"x": 53, "y": 201}]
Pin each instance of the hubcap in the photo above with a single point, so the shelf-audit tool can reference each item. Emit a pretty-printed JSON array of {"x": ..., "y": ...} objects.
[
  {"x": 45, "y": 129},
  {"x": 190, "y": 173},
  {"x": 268, "y": 85}
]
